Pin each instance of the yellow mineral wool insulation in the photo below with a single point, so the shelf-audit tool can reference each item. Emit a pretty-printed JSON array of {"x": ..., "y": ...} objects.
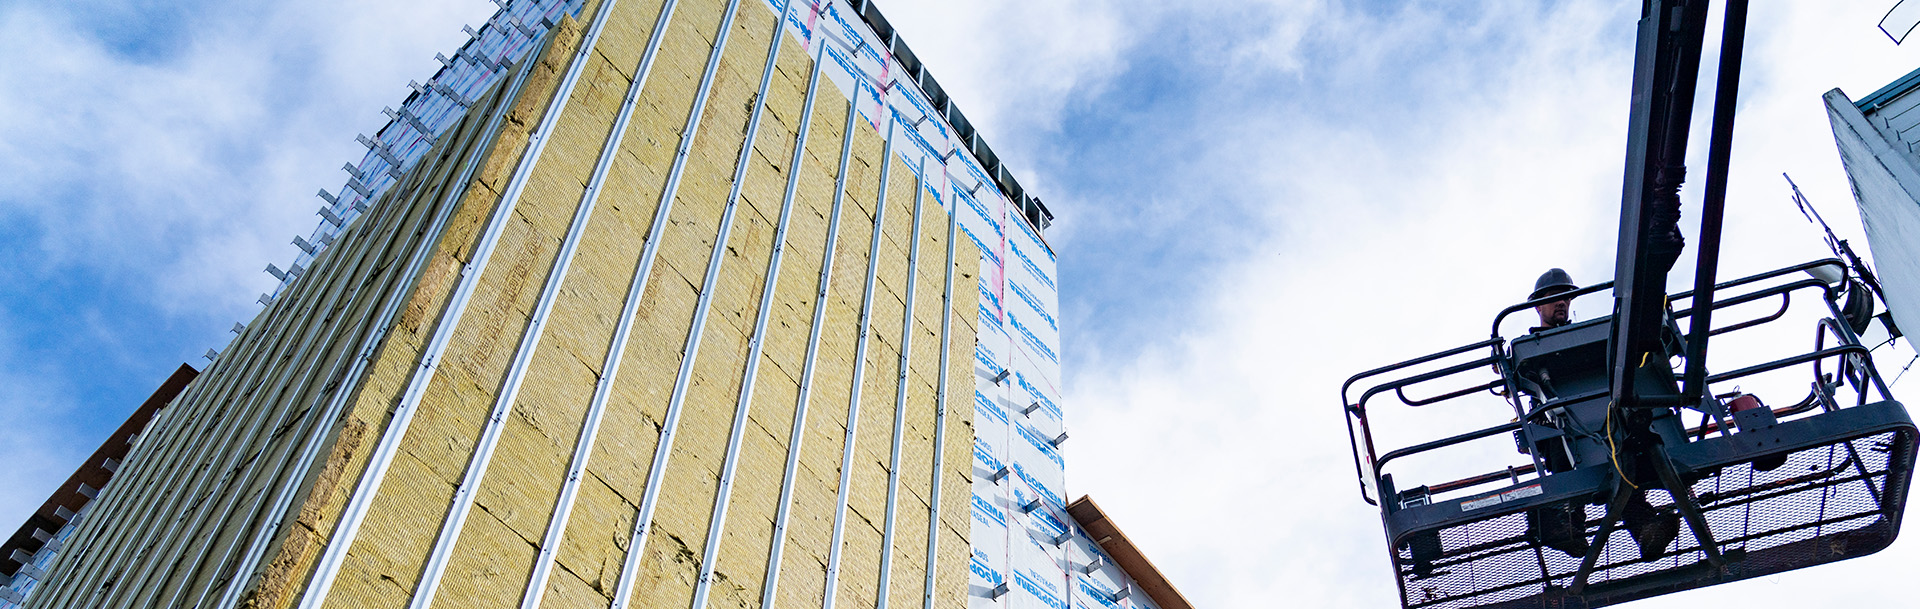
[
  {"x": 743, "y": 274},
  {"x": 908, "y": 578},
  {"x": 747, "y": 540},
  {"x": 803, "y": 566},
  {"x": 902, "y": 185},
  {"x": 791, "y": 318},
  {"x": 596, "y": 539},
  {"x": 484, "y": 343},
  {"x": 863, "y": 180},
  {"x": 491, "y": 568},
  {"x": 624, "y": 39},
  {"x": 624, "y": 452},
  {"x": 688, "y": 486},
  {"x": 828, "y": 130},
  {"x": 966, "y": 293}
]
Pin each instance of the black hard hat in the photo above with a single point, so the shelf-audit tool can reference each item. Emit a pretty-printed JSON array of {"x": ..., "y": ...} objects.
[{"x": 1551, "y": 282}]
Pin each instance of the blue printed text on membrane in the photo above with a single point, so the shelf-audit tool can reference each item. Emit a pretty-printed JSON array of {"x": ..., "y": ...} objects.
[
  {"x": 980, "y": 569},
  {"x": 1094, "y": 590},
  {"x": 980, "y": 211},
  {"x": 1043, "y": 276},
  {"x": 1033, "y": 341},
  {"x": 992, "y": 258},
  {"x": 985, "y": 358},
  {"x": 1041, "y": 444},
  {"x": 1035, "y": 303},
  {"x": 984, "y": 512},
  {"x": 1048, "y": 523},
  {"x": 986, "y": 407},
  {"x": 1035, "y": 237},
  {"x": 1033, "y": 586},
  {"x": 1046, "y": 405},
  {"x": 988, "y": 298},
  {"x": 990, "y": 320},
  {"x": 983, "y": 455},
  {"x": 1038, "y": 486}
]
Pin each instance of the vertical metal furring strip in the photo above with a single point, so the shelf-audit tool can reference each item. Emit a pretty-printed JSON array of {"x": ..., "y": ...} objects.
[
  {"x": 339, "y": 289},
  {"x": 335, "y": 555},
  {"x": 464, "y": 495},
  {"x": 704, "y": 585},
  {"x": 940, "y": 407},
  {"x": 651, "y": 496},
  {"x": 202, "y": 410},
  {"x": 603, "y": 389},
  {"x": 283, "y": 501},
  {"x": 859, "y": 363},
  {"x": 900, "y": 397},
  {"x": 770, "y": 586}
]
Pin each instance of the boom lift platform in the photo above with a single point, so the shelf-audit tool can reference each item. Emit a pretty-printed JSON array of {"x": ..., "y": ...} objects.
[{"x": 1642, "y": 476}]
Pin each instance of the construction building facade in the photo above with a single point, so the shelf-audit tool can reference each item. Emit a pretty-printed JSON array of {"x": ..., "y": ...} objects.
[
  {"x": 1876, "y": 137},
  {"x": 636, "y": 303}
]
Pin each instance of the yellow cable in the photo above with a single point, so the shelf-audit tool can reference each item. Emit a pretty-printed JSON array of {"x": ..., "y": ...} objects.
[{"x": 1613, "y": 453}]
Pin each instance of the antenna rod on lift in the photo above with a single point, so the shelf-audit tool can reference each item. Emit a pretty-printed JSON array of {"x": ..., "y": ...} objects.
[{"x": 1839, "y": 246}]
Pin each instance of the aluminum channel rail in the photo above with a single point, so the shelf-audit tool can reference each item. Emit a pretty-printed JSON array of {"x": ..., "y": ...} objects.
[
  {"x": 603, "y": 389},
  {"x": 283, "y": 501},
  {"x": 135, "y": 479},
  {"x": 704, "y": 585},
  {"x": 195, "y": 413},
  {"x": 297, "y": 305},
  {"x": 334, "y": 557},
  {"x": 770, "y": 586},
  {"x": 859, "y": 369},
  {"x": 900, "y": 396},
  {"x": 465, "y": 494},
  {"x": 341, "y": 289},
  {"x": 650, "y": 498},
  {"x": 356, "y": 332},
  {"x": 940, "y": 407}
]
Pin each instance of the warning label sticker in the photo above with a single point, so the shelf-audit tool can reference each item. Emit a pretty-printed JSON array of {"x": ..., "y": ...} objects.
[{"x": 1488, "y": 501}]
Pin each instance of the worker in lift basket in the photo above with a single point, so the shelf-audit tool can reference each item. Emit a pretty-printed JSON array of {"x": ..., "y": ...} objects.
[{"x": 1563, "y": 527}]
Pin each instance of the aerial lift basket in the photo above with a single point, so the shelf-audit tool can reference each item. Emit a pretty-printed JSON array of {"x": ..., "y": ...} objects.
[{"x": 1617, "y": 505}]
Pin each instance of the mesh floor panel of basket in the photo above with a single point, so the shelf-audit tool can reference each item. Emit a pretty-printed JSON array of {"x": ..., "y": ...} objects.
[{"x": 1821, "y": 505}]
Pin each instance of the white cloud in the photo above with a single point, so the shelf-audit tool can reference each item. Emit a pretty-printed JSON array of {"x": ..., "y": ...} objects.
[
  {"x": 1218, "y": 445},
  {"x": 186, "y": 168},
  {"x": 152, "y": 160}
]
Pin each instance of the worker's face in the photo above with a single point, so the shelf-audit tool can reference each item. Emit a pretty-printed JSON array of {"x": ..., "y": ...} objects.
[{"x": 1554, "y": 314}]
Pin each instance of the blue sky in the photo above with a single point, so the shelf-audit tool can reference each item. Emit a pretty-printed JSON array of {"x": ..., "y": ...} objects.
[{"x": 1255, "y": 199}]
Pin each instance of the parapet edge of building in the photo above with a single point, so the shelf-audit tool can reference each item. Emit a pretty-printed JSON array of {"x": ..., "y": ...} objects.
[
  {"x": 1108, "y": 535},
  {"x": 1876, "y": 138}
]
